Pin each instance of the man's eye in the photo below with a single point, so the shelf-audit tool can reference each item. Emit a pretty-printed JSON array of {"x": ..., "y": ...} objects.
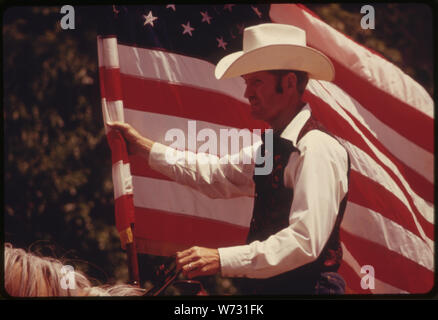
[{"x": 253, "y": 82}]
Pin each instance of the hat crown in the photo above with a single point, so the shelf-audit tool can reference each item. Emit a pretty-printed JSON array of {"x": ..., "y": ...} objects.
[
  {"x": 268, "y": 34},
  {"x": 274, "y": 46}
]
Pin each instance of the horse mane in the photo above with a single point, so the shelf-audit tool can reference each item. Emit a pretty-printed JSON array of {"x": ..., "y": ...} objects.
[{"x": 29, "y": 275}]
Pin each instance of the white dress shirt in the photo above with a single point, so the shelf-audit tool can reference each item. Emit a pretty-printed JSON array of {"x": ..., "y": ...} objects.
[{"x": 317, "y": 174}]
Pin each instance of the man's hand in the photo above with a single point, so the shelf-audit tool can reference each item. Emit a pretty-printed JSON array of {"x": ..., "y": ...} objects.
[
  {"x": 137, "y": 144},
  {"x": 198, "y": 261}
]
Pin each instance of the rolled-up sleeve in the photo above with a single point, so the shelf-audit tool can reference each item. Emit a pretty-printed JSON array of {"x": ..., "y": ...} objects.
[{"x": 318, "y": 175}]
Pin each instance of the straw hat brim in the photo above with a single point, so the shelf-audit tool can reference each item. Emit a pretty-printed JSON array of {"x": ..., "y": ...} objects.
[{"x": 276, "y": 57}]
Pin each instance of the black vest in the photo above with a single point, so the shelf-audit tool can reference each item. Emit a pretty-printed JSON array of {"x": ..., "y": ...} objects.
[{"x": 271, "y": 214}]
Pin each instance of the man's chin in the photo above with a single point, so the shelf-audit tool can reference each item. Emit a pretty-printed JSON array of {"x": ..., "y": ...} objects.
[{"x": 256, "y": 115}]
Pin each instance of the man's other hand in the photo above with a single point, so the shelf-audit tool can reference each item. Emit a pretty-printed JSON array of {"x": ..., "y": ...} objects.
[
  {"x": 137, "y": 144},
  {"x": 198, "y": 261}
]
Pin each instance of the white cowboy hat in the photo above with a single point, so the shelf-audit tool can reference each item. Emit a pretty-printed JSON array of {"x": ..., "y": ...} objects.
[{"x": 273, "y": 46}]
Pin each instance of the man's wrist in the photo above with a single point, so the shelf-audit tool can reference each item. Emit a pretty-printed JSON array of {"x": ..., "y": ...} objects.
[{"x": 146, "y": 147}]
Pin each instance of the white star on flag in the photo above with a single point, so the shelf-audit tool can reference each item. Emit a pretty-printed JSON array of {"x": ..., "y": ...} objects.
[
  {"x": 171, "y": 6},
  {"x": 257, "y": 11},
  {"x": 221, "y": 43},
  {"x": 149, "y": 19},
  {"x": 229, "y": 7},
  {"x": 187, "y": 28},
  {"x": 205, "y": 17}
]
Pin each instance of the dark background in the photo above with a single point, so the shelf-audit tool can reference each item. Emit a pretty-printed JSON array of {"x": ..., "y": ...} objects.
[{"x": 58, "y": 196}]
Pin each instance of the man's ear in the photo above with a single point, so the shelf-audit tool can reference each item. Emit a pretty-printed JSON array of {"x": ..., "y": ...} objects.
[{"x": 290, "y": 82}]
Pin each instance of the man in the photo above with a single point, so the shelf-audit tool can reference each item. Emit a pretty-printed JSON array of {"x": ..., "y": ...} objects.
[{"x": 293, "y": 244}]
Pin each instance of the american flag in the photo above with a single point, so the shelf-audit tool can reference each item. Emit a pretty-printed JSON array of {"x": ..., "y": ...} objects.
[{"x": 156, "y": 68}]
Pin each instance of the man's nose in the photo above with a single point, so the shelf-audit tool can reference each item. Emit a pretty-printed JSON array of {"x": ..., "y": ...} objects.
[{"x": 248, "y": 92}]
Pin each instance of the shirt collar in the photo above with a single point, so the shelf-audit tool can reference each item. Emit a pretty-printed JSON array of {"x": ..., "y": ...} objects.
[{"x": 294, "y": 127}]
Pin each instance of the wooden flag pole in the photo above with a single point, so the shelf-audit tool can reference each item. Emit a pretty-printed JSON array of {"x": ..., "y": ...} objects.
[{"x": 131, "y": 251}]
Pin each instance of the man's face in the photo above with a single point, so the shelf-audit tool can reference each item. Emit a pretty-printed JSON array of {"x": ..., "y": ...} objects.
[{"x": 266, "y": 103}]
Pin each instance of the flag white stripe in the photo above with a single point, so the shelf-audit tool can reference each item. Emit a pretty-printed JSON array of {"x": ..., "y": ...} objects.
[
  {"x": 112, "y": 111},
  {"x": 425, "y": 209},
  {"x": 122, "y": 179},
  {"x": 365, "y": 165},
  {"x": 407, "y": 152},
  {"x": 177, "y": 69},
  {"x": 109, "y": 52},
  {"x": 173, "y": 197},
  {"x": 379, "y": 285},
  {"x": 155, "y": 126},
  {"x": 387, "y": 233}
]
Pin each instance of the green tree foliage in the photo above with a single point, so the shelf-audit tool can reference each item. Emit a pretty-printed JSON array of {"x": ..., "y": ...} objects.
[
  {"x": 57, "y": 180},
  {"x": 57, "y": 164}
]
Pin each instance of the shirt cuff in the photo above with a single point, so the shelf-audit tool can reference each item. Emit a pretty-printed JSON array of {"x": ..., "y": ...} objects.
[{"x": 235, "y": 261}]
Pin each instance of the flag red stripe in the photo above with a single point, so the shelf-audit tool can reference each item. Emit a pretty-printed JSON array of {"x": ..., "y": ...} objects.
[
  {"x": 339, "y": 127},
  {"x": 369, "y": 194},
  {"x": 139, "y": 167},
  {"x": 352, "y": 280},
  {"x": 421, "y": 185},
  {"x": 186, "y": 102},
  {"x": 402, "y": 273},
  {"x": 102, "y": 82},
  {"x": 118, "y": 147},
  {"x": 400, "y": 116},
  {"x": 112, "y": 84},
  {"x": 186, "y": 230},
  {"x": 124, "y": 211},
  {"x": 158, "y": 247},
  {"x": 417, "y": 182}
]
